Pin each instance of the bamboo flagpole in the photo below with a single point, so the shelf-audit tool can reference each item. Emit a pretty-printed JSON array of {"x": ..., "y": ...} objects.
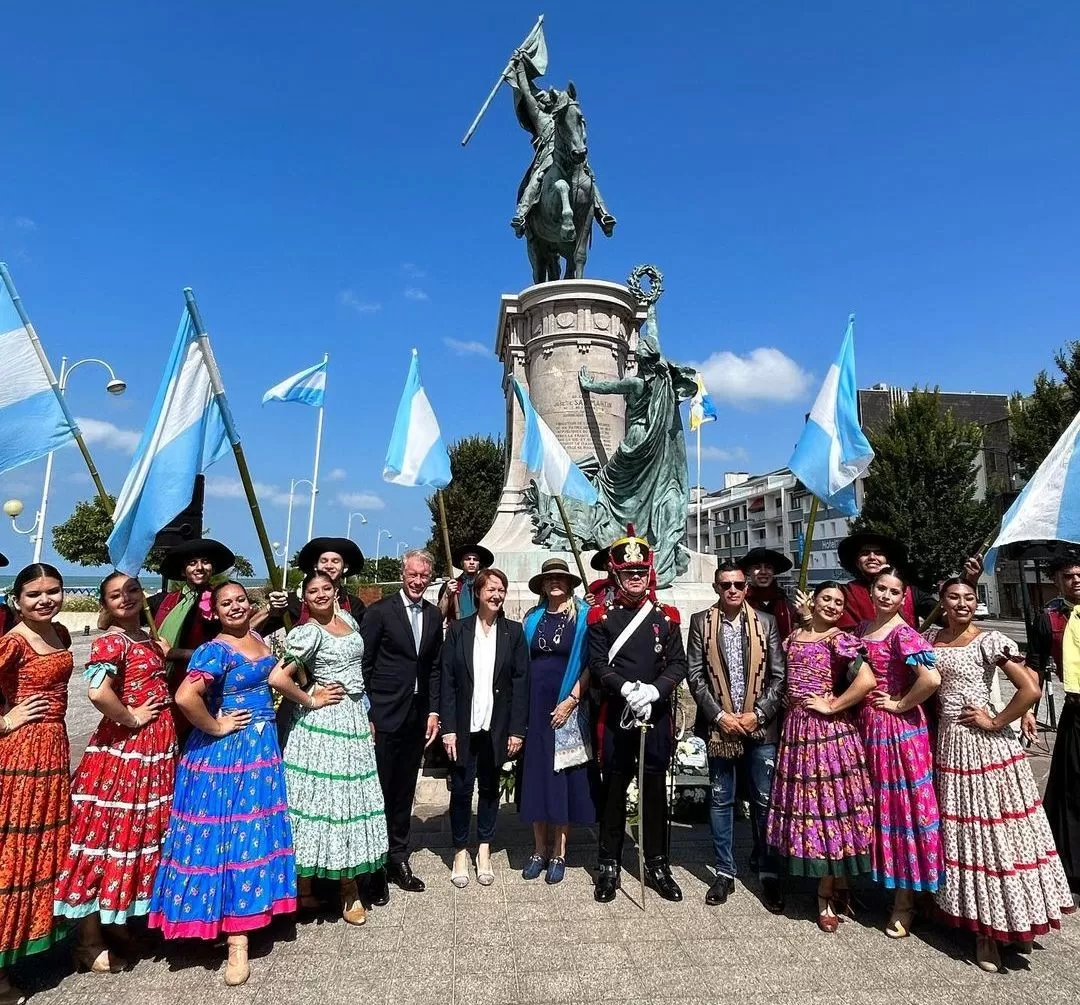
[
  {"x": 218, "y": 391},
  {"x": 444, "y": 530},
  {"x": 315, "y": 475},
  {"x": 808, "y": 537},
  {"x": 99, "y": 486},
  {"x": 573, "y": 542}
]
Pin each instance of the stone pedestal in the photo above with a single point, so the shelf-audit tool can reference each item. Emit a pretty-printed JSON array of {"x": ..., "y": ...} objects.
[{"x": 545, "y": 335}]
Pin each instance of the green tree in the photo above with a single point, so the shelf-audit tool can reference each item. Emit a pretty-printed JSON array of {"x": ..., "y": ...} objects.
[
  {"x": 1038, "y": 420},
  {"x": 920, "y": 488},
  {"x": 478, "y": 466},
  {"x": 82, "y": 538}
]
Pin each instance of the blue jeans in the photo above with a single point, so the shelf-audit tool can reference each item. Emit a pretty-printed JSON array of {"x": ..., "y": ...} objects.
[{"x": 760, "y": 760}]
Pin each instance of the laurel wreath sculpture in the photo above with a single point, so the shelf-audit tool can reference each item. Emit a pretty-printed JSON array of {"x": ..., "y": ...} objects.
[{"x": 656, "y": 284}]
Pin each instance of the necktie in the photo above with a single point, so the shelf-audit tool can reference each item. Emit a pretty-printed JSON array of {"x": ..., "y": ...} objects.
[{"x": 415, "y": 611}]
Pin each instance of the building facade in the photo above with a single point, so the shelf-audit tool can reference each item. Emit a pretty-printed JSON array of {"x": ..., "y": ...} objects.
[{"x": 772, "y": 510}]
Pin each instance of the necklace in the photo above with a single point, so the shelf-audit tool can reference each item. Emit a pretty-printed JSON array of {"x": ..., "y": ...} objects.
[{"x": 541, "y": 641}]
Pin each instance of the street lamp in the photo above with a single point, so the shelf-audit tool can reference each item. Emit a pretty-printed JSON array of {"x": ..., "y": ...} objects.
[
  {"x": 13, "y": 508},
  {"x": 401, "y": 544},
  {"x": 114, "y": 385},
  {"x": 288, "y": 522},
  {"x": 348, "y": 528},
  {"x": 280, "y": 552},
  {"x": 378, "y": 544}
]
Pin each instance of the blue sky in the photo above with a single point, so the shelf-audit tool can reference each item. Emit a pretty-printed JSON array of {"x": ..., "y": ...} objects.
[{"x": 299, "y": 165}]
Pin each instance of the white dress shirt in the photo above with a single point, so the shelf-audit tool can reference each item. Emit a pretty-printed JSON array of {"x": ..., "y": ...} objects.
[{"x": 483, "y": 696}]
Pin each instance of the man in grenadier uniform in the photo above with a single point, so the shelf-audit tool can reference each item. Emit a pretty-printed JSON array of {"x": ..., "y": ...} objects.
[{"x": 636, "y": 654}]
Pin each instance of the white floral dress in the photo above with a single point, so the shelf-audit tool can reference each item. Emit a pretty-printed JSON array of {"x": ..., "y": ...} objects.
[
  {"x": 1003, "y": 878},
  {"x": 335, "y": 801}
]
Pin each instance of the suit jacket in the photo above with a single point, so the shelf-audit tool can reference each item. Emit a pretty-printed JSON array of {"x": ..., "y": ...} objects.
[
  {"x": 393, "y": 669},
  {"x": 510, "y": 686},
  {"x": 770, "y": 701}
]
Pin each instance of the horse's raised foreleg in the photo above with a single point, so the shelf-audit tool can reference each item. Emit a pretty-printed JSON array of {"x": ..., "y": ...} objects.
[{"x": 566, "y": 210}]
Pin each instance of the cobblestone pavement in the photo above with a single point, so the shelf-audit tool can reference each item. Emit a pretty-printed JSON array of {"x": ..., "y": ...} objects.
[{"x": 518, "y": 942}]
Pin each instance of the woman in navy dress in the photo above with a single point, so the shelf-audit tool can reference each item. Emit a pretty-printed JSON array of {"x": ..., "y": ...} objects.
[{"x": 554, "y": 798}]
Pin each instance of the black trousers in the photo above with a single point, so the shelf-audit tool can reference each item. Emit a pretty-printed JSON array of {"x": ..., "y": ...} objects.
[
  {"x": 397, "y": 756},
  {"x": 618, "y": 770}
]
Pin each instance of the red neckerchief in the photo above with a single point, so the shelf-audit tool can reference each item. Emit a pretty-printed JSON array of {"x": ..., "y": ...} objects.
[
  {"x": 859, "y": 607},
  {"x": 772, "y": 601}
]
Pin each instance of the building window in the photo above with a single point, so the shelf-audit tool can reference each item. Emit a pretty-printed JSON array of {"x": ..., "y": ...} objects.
[{"x": 796, "y": 530}]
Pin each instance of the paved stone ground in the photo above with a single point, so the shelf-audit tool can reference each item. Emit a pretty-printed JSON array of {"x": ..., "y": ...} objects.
[{"x": 518, "y": 942}]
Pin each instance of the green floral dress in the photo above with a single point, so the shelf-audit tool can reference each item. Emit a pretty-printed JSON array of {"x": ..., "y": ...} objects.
[{"x": 335, "y": 802}]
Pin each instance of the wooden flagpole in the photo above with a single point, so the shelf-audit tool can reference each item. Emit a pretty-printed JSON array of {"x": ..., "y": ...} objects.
[
  {"x": 103, "y": 496},
  {"x": 808, "y": 537},
  {"x": 445, "y": 534},
  {"x": 573, "y": 543},
  {"x": 218, "y": 390}
]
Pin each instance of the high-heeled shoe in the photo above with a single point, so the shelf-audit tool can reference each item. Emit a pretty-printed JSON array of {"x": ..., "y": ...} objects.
[
  {"x": 12, "y": 995},
  {"x": 827, "y": 921},
  {"x": 352, "y": 907},
  {"x": 237, "y": 970},
  {"x": 900, "y": 923},
  {"x": 484, "y": 876},
  {"x": 96, "y": 959},
  {"x": 987, "y": 955}
]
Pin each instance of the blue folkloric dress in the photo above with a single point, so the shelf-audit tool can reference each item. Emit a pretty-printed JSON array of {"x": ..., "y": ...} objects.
[
  {"x": 227, "y": 862},
  {"x": 335, "y": 800}
]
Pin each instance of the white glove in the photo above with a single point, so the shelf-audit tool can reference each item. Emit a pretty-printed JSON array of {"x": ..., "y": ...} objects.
[
  {"x": 638, "y": 701},
  {"x": 627, "y": 688},
  {"x": 651, "y": 694},
  {"x": 645, "y": 713}
]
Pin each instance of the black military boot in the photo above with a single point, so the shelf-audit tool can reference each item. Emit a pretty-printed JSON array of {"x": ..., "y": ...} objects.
[
  {"x": 607, "y": 880},
  {"x": 658, "y": 876}
]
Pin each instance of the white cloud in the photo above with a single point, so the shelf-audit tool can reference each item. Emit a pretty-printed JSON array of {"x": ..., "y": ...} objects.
[
  {"x": 97, "y": 432},
  {"x": 415, "y": 293},
  {"x": 336, "y": 475},
  {"x": 422, "y": 530},
  {"x": 349, "y": 299},
  {"x": 224, "y": 487},
  {"x": 721, "y": 453},
  {"x": 360, "y": 500},
  {"x": 413, "y": 270},
  {"x": 25, "y": 223},
  {"x": 763, "y": 376},
  {"x": 467, "y": 348},
  {"x": 79, "y": 478}
]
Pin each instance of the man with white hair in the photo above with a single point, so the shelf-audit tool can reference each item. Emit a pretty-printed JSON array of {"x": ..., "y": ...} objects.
[{"x": 402, "y": 637}]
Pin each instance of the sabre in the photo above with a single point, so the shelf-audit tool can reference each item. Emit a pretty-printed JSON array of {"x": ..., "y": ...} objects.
[
  {"x": 630, "y": 721},
  {"x": 502, "y": 78}
]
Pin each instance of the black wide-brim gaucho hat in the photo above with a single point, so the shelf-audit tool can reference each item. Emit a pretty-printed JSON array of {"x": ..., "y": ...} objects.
[
  {"x": 219, "y": 557},
  {"x": 847, "y": 551},
  {"x": 765, "y": 556},
  {"x": 3, "y": 560},
  {"x": 350, "y": 554},
  {"x": 457, "y": 556}
]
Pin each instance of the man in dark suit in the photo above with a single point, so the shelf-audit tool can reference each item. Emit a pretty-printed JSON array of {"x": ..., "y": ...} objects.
[
  {"x": 736, "y": 675},
  {"x": 402, "y": 637}
]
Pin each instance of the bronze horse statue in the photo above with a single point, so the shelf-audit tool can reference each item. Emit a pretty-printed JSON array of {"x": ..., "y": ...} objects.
[{"x": 560, "y": 224}]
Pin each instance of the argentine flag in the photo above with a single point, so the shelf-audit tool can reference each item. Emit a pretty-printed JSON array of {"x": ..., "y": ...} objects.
[
  {"x": 702, "y": 409},
  {"x": 546, "y": 460},
  {"x": 832, "y": 451},
  {"x": 307, "y": 387},
  {"x": 33, "y": 419},
  {"x": 185, "y": 434},
  {"x": 417, "y": 454},
  {"x": 1048, "y": 508}
]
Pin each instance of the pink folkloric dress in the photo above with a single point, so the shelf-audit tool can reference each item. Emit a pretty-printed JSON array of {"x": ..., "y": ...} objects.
[
  {"x": 906, "y": 851},
  {"x": 820, "y": 811},
  {"x": 1003, "y": 878}
]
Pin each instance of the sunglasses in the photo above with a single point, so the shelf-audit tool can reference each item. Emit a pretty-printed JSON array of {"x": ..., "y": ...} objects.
[
  {"x": 735, "y": 584},
  {"x": 635, "y": 573}
]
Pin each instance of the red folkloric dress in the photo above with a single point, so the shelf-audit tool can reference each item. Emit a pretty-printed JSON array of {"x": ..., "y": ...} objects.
[
  {"x": 34, "y": 798},
  {"x": 122, "y": 791}
]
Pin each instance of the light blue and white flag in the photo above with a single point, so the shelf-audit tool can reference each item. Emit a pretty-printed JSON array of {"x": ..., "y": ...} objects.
[
  {"x": 1048, "y": 508},
  {"x": 185, "y": 434},
  {"x": 308, "y": 387},
  {"x": 832, "y": 451},
  {"x": 702, "y": 409},
  {"x": 417, "y": 454},
  {"x": 33, "y": 421},
  {"x": 546, "y": 459}
]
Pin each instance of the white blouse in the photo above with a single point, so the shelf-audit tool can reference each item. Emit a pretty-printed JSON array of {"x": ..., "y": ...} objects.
[{"x": 483, "y": 696}]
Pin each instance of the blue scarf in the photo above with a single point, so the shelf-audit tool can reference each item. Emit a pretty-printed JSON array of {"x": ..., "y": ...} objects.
[
  {"x": 466, "y": 602},
  {"x": 580, "y": 630}
]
